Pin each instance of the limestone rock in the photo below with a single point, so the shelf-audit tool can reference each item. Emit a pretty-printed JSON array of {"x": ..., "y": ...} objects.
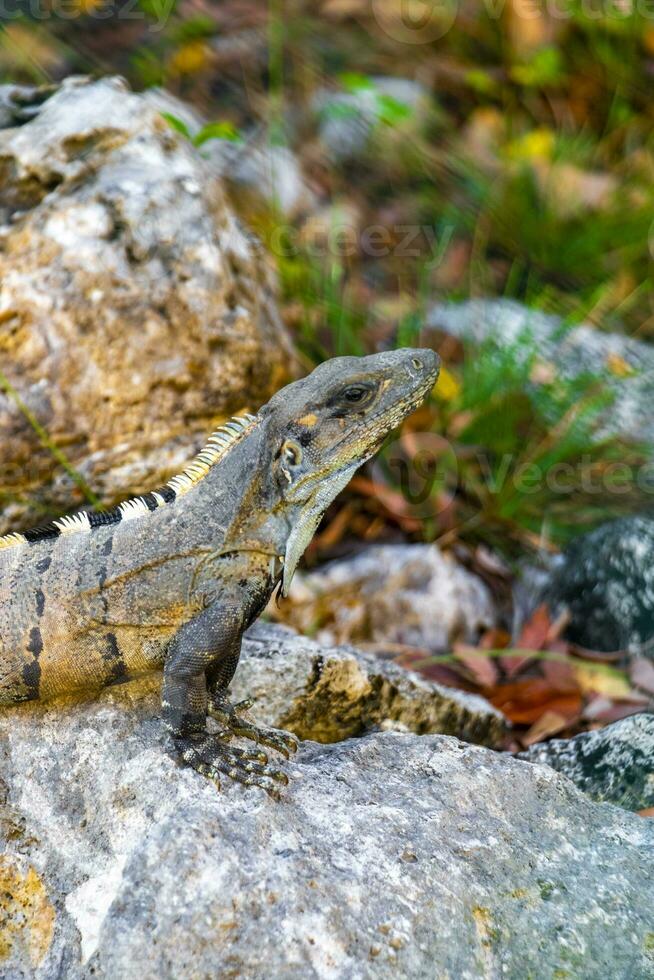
[
  {"x": 614, "y": 764},
  {"x": 625, "y": 364},
  {"x": 391, "y": 594},
  {"x": 389, "y": 855},
  {"x": 329, "y": 693},
  {"x": 348, "y": 119},
  {"x": 262, "y": 175},
  {"x": 135, "y": 311}
]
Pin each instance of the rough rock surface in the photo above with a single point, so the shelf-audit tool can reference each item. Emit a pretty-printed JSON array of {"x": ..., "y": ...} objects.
[
  {"x": 605, "y": 582},
  {"x": 582, "y": 348},
  {"x": 614, "y": 764},
  {"x": 349, "y": 119},
  {"x": 389, "y": 855},
  {"x": 391, "y": 594},
  {"x": 134, "y": 309},
  {"x": 259, "y": 174},
  {"x": 330, "y": 693}
]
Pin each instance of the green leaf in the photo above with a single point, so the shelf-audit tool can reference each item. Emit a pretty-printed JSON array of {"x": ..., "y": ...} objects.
[
  {"x": 391, "y": 111},
  {"x": 223, "y": 130},
  {"x": 177, "y": 124},
  {"x": 354, "y": 82},
  {"x": 340, "y": 110}
]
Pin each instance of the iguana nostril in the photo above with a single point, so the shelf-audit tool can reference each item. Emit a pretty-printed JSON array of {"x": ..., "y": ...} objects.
[{"x": 417, "y": 363}]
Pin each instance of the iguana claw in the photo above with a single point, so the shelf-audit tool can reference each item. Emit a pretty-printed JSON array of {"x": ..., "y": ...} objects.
[
  {"x": 229, "y": 715},
  {"x": 210, "y": 756}
]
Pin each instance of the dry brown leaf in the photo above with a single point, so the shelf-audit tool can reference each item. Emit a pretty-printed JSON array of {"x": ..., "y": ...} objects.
[
  {"x": 593, "y": 678},
  {"x": 550, "y": 723},
  {"x": 642, "y": 674},
  {"x": 525, "y": 701},
  {"x": 482, "y": 667}
]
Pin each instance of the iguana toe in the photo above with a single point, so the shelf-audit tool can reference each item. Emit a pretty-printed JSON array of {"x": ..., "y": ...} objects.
[
  {"x": 213, "y": 759},
  {"x": 229, "y": 715}
]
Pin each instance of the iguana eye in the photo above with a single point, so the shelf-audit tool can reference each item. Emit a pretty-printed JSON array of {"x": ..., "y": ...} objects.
[
  {"x": 352, "y": 398},
  {"x": 355, "y": 393}
]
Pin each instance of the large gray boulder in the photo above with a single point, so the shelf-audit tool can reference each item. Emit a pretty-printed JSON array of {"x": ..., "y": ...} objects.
[
  {"x": 613, "y": 764},
  {"x": 389, "y": 855},
  {"x": 135, "y": 310}
]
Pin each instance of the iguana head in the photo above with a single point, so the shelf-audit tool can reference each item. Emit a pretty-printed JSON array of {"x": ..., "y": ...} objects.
[{"x": 320, "y": 429}]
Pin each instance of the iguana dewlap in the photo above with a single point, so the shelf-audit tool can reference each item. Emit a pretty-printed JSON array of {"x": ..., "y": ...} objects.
[{"x": 172, "y": 579}]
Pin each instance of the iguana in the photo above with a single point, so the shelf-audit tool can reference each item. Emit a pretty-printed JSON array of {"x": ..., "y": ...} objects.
[{"x": 171, "y": 579}]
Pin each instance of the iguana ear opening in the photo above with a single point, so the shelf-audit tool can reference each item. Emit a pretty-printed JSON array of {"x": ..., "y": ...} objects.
[{"x": 290, "y": 460}]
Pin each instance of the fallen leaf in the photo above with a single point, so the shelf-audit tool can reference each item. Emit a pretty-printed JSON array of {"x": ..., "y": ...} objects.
[
  {"x": 618, "y": 366},
  {"x": 559, "y": 673},
  {"x": 392, "y": 500},
  {"x": 641, "y": 673},
  {"x": 447, "y": 388},
  {"x": 495, "y": 639},
  {"x": 532, "y": 637},
  {"x": 647, "y": 812},
  {"x": 550, "y": 723},
  {"x": 190, "y": 58},
  {"x": 535, "y": 145},
  {"x": 599, "y": 679},
  {"x": 482, "y": 667},
  {"x": 525, "y": 701},
  {"x": 335, "y": 530}
]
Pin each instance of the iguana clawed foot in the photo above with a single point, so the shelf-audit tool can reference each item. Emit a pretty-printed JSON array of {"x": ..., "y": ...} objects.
[
  {"x": 208, "y": 754},
  {"x": 229, "y": 715}
]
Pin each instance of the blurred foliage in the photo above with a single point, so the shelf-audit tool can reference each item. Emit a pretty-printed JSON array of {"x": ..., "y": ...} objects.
[
  {"x": 525, "y": 169},
  {"x": 534, "y": 467}
]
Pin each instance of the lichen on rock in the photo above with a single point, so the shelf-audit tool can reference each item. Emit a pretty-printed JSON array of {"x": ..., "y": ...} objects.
[
  {"x": 327, "y": 693},
  {"x": 612, "y": 765}
]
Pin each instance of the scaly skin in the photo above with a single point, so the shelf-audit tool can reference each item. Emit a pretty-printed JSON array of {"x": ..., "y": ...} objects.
[{"x": 176, "y": 587}]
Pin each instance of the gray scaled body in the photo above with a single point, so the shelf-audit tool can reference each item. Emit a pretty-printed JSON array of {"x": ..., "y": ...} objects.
[{"x": 170, "y": 580}]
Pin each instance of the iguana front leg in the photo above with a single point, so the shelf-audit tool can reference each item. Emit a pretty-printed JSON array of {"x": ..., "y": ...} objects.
[
  {"x": 209, "y": 641},
  {"x": 219, "y": 677}
]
